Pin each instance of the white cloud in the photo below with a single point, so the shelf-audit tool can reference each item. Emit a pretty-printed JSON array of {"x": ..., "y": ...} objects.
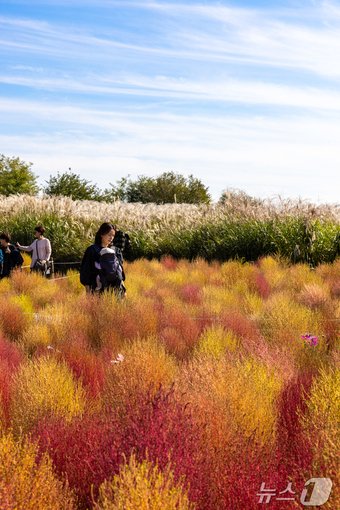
[
  {"x": 263, "y": 156},
  {"x": 230, "y": 90},
  {"x": 245, "y": 98},
  {"x": 196, "y": 32}
]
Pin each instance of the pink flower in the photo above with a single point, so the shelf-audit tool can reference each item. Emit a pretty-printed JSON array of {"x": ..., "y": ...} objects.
[{"x": 311, "y": 340}]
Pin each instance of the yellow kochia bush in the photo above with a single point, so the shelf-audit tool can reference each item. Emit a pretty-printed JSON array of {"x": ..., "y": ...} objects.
[
  {"x": 27, "y": 483},
  {"x": 220, "y": 299},
  {"x": 274, "y": 270},
  {"x": 252, "y": 395},
  {"x": 25, "y": 303},
  {"x": 45, "y": 387},
  {"x": 216, "y": 340},
  {"x": 36, "y": 335},
  {"x": 321, "y": 421},
  {"x": 146, "y": 366},
  {"x": 39, "y": 290},
  {"x": 143, "y": 486},
  {"x": 285, "y": 320},
  {"x": 240, "y": 394}
]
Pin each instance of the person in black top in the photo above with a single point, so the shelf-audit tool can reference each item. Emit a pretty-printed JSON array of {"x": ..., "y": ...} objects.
[
  {"x": 11, "y": 255},
  {"x": 91, "y": 269}
]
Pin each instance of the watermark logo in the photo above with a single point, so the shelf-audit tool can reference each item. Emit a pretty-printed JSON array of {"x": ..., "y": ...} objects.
[
  {"x": 321, "y": 490},
  {"x": 316, "y": 492}
]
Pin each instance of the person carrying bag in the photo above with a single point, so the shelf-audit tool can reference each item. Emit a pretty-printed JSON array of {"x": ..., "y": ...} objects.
[
  {"x": 41, "y": 252},
  {"x": 41, "y": 265}
]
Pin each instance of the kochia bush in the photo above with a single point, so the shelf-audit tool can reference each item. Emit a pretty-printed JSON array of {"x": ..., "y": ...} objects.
[{"x": 45, "y": 387}]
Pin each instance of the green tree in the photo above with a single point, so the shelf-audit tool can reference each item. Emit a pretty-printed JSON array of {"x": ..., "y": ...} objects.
[
  {"x": 69, "y": 184},
  {"x": 116, "y": 191},
  {"x": 237, "y": 197},
  {"x": 16, "y": 177},
  {"x": 167, "y": 188}
]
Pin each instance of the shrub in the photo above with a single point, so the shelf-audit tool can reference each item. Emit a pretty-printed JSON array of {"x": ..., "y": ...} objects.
[
  {"x": 28, "y": 482},
  {"x": 294, "y": 446},
  {"x": 321, "y": 420},
  {"x": 314, "y": 296},
  {"x": 13, "y": 319},
  {"x": 284, "y": 320},
  {"x": 87, "y": 367},
  {"x": 158, "y": 424},
  {"x": 44, "y": 387},
  {"x": 145, "y": 368},
  {"x": 143, "y": 485},
  {"x": 86, "y": 450},
  {"x": 35, "y": 336},
  {"x": 238, "y": 395},
  {"x": 216, "y": 340},
  {"x": 178, "y": 331},
  {"x": 10, "y": 360}
]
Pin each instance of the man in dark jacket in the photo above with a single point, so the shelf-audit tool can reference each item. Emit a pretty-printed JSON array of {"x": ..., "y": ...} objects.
[{"x": 11, "y": 255}]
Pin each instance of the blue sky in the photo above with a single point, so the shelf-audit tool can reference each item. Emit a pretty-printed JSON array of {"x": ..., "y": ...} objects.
[{"x": 241, "y": 94}]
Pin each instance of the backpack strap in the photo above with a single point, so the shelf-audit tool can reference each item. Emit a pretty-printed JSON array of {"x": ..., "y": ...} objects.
[{"x": 36, "y": 247}]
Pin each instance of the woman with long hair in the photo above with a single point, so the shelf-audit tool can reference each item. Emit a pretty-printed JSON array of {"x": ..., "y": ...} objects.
[{"x": 102, "y": 266}]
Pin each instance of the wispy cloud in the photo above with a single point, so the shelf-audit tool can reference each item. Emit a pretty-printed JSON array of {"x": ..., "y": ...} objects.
[
  {"x": 240, "y": 95},
  {"x": 205, "y": 33},
  {"x": 227, "y": 91},
  {"x": 264, "y": 156}
]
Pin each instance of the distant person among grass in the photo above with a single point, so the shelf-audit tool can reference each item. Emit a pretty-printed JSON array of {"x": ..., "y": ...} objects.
[
  {"x": 10, "y": 257},
  {"x": 41, "y": 250},
  {"x": 102, "y": 266}
]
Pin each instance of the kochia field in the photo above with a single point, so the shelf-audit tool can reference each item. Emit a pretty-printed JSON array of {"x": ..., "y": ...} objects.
[{"x": 209, "y": 387}]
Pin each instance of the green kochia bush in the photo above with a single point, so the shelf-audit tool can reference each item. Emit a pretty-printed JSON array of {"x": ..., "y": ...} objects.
[{"x": 247, "y": 239}]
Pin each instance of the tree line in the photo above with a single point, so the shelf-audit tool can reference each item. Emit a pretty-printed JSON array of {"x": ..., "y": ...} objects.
[{"x": 17, "y": 177}]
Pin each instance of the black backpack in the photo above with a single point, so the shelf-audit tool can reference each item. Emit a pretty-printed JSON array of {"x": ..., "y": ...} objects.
[
  {"x": 17, "y": 257},
  {"x": 122, "y": 241}
]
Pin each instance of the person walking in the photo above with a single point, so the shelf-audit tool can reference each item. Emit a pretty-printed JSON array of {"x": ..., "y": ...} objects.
[
  {"x": 11, "y": 257},
  {"x": 41, "y": 250}
]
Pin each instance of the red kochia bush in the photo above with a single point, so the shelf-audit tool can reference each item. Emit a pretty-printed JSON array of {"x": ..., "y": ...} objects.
[
  {"x": 86, "y": 366},
  {"x": 162, "y": 427},
  {"x": 167, "y": 429},
  {"x": 169, "y": 263},
  {"x": 178, "y": 332},
  {"x": 240, "y": 325},
  {"x": 293, "y": 447},
  {"x": 10, "y": 353},
  {"x": 10, "y": 359},
  {"x": 191, "y": 293},
  {"x": 91, "y": 449},
  {"x": 262, "y": 286},
  {"x": 242, "y": 470},
  {"x": 87, "y": 450}
]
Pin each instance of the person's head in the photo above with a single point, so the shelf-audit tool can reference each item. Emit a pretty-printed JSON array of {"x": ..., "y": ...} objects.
[
  {"x": 4, "y": 239},
  {"x": 105, "y": 234},
  {"x": 39, "y": 231}
]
